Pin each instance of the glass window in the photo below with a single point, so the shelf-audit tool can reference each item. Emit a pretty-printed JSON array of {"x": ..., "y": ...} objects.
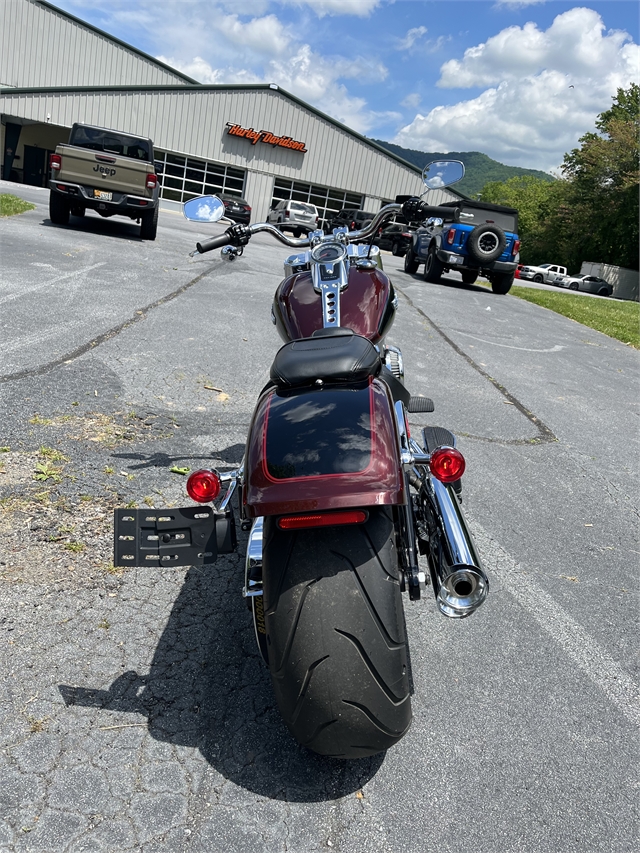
[{"x": 185, "y": 177}]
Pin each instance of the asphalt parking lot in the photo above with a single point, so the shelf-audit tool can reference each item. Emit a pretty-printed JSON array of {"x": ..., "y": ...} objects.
[{"x": 136, "y": 714}]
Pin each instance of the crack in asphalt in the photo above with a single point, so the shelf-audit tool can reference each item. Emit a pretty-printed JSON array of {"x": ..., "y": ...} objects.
[
  {"x": 139, "y": 314},
  {"x": 545, "y": 434}
]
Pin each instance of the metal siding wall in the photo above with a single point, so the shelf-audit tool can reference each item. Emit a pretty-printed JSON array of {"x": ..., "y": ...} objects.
[
  {"x": 39, "y": 47},
  {"x": 192, "y": 121}
]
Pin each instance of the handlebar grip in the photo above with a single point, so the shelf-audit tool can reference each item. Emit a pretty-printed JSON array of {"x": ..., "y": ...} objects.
[
  {"x": 440, "y": 212},
  {"x": 213, "y": 243}
]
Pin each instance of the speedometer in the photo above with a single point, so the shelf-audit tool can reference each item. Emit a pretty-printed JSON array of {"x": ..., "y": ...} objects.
[{"x": 328, "y": 253}]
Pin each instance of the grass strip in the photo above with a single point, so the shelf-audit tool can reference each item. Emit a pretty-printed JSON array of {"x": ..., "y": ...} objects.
[
  {"x": 619, "y": 320},
  {"x": 11, "y": 204}
]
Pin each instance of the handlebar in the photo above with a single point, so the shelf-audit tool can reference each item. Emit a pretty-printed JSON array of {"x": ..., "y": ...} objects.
[{"x": 303, "y": 242}]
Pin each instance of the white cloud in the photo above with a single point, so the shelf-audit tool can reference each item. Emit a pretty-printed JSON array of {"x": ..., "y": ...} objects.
[
  {"x": 518, "y": 4},
  {"x": 264, "y": 35},
  {"x": 359, "y": 8},
  {"x": 574, "y": 44},
  {"x": 412, "y": 100},
  {"x": 412, "y": 35},
  {"x": 528, "y": 115}
]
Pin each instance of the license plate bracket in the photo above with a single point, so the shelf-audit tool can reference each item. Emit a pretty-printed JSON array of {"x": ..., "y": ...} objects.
[{"x": 165, "y": 537}]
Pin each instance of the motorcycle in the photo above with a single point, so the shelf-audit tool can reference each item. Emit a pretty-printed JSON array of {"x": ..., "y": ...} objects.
[{"x": 344, "y": 509}]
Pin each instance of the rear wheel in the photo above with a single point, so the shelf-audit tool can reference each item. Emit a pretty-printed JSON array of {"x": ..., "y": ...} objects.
[
  {"x": 336, "y": 635},
  {"x": 501, "y": 282},
  {"x": 410, "y": 262},
  {"x": 604, "y": 291},
  {"x": 58, "y": 209},
  {"x": 433, "y": 266},
  {"x": 149, "y": 224},
  {"x": 395, "y": 249}
]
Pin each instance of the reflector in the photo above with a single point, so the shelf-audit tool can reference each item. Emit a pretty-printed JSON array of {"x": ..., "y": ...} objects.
[
  {"x": 203, "y": 486},
  {"x": 447, "y": 464},
  {"x": 322, "y": 519}
]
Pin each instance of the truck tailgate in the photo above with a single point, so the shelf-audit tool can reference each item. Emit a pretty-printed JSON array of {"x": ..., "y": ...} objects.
[{"x": 104, "y": 171}]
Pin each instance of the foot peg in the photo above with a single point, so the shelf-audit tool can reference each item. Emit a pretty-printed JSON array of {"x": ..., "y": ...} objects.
[{"x": 420, "y": 404}]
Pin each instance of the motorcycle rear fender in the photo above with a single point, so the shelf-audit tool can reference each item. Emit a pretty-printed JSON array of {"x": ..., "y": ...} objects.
[{"x": 322, "y": 449}]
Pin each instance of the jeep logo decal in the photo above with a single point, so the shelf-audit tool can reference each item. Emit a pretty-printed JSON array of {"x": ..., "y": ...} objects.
[{"x": 104, "y": 171}]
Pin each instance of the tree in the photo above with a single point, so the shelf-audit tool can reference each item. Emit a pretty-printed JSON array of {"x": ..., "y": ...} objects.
[
  {"x": 537, "y": 202},
  {"x": 603, "y": 182}
]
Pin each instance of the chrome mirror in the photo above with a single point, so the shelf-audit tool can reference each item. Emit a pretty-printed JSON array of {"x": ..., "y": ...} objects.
[
  {"x": 205, "y": 208},
  {"x": 442, "y": 173}
]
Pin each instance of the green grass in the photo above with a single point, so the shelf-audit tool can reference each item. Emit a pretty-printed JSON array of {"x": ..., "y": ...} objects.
[
  {"x": 620, "y": 320},
  {"x": 11, "y": 204}
]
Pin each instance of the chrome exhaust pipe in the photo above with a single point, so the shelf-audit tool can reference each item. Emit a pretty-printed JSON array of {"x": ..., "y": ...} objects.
[{"x": 459, "y": 582}]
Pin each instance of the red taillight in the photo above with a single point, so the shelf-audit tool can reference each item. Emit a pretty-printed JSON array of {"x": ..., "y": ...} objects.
[
  {"x": 447, "y": 464},
  {"x": 451, "y": 236},
  {"x": 203, "y": 486},
  {"x": 352, "y": 227},
  {"x": 322, "y": 519},
  {"x": 246, "y": 207},
  {"x": 152, "y": 181},
  {"x": 286, "y": 214},
  {"x": 516, "y": 247},
  {"x": 55, "y": 162}
]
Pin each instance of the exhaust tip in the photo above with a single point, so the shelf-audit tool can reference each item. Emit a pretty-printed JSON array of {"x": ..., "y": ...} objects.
[{"x": 462, "y": 592}]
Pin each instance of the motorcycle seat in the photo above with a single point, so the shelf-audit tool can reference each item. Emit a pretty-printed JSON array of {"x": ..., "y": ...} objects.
[{"x": 340, "y": 356}]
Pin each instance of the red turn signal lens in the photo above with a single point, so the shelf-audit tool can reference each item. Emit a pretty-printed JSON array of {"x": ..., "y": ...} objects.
[
  {"x": 203, "y": 486},
  {"x": 55, "y": 162},
  {"x": 152, "y": 181},
  {"x": 516, "y": 247},
  {"x": 322, "y": 519},
  {"x": 447, "y": 464},
  {"x": 451, "y": 236}
]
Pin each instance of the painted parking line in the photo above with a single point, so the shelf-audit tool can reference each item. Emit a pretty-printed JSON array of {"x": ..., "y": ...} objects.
[{"x": 600, "y": 668}]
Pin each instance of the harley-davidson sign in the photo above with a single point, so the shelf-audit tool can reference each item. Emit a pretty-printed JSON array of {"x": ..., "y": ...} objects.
[{"x": 265, "y": 136}]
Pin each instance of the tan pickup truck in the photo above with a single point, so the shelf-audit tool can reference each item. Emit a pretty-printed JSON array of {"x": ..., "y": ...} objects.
[{"x": 107, "y": 171}]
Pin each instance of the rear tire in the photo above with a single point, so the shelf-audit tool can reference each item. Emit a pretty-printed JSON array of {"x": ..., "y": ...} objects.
[
  {"x": 501, "y": 282},
  {"x": 410, "y": 262},
  {"x": 58, "y": 209},
  {"x": 433, "y": 266},
  {"x": 395, "y": 250},
  {"x": 149, "y": 224},
  {"x": 336, "y": 635}
]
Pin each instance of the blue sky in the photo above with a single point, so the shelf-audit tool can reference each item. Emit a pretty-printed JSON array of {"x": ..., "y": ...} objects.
[{"x": 520, "y": 80}]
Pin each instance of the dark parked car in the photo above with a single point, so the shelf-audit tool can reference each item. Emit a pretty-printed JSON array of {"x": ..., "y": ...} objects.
[
  {"x": 236, "y": 208},
  {"x": 350, "y": 218},
  {"x": 395, "y": 237},
  {"x": 589, "y": 284}
]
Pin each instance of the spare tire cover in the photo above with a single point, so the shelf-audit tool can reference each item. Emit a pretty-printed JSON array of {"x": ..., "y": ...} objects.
[{"x": 486, "y": 242}]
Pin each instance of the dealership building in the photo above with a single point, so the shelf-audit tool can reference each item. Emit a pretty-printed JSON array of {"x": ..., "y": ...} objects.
[{"x": 254, "y": 141}]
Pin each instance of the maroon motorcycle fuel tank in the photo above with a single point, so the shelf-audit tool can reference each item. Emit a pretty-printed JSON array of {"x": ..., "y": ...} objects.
[
  {"x": 320, "y": 449},
  {"x": 367, "y": 305}
]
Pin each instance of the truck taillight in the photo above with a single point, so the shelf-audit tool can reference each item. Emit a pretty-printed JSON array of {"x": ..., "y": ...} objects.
[
  {"x": 55, "y": 162},
  {"x": 516, "y": 247},
  {"x": 451, "y": 236},
  {"x": 152, "y": 181}
]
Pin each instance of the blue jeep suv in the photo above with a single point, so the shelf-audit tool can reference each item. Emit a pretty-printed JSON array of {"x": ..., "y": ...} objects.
[{"x": 477, "y": 238}]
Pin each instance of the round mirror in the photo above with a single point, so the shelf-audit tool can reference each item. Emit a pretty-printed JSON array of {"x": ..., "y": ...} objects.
[
  {"x": 205, "y": 208},
  {"x": 442, "y": 173}
]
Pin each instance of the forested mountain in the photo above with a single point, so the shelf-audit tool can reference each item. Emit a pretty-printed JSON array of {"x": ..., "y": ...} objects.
[{"x": 479, "y": 169}]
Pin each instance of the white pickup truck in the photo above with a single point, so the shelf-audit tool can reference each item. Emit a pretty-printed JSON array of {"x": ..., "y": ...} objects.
[{"x": 547, "y": 273}]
